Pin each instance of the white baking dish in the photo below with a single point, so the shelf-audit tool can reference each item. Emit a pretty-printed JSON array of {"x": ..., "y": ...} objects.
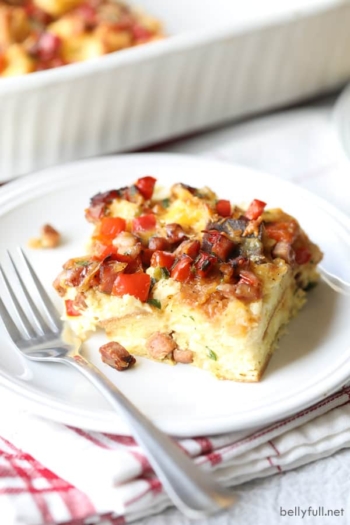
[{"x": 221, "y": 61}]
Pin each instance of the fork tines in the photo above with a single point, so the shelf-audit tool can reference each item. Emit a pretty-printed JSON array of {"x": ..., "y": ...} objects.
[{"x": 25, "y": 295}]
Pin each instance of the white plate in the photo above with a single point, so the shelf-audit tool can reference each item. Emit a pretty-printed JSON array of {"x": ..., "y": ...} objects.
[{"x": 312, "y": 360}]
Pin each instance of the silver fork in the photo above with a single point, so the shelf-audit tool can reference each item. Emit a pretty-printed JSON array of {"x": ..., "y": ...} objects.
[{"x": 194, "y": 492}]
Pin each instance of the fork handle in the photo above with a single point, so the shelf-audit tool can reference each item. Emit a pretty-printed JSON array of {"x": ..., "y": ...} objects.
[{"x": 194, "y": 492}]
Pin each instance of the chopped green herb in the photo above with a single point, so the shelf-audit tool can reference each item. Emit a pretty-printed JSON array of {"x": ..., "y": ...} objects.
[
  {"x": 165, "y": 203},
  {"x": 133, "y": 191},
  {"x": 155, "y": 303},
  {"x": 157, "y": 274},
  {"x": 83, "y": 263},
  {"x": 161, "y": 273},
  {"x": 211, "y": 354},
  {"x": 165, "y": 272},
  {"x": 191, "y": 317}
]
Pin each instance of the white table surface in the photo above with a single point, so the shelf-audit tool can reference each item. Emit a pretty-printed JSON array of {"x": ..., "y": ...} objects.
[{"x": 300, "y": 145}]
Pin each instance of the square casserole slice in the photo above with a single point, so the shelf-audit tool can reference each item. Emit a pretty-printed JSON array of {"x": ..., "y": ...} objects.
[{"x": 189, "y": 278}]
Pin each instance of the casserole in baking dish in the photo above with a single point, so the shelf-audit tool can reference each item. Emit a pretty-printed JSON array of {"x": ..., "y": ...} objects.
[{"x": 222, "y": 60}]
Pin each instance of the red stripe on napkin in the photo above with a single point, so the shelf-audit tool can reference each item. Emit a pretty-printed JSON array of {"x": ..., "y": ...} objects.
[
  {"x": 205, "y": 444},
  {"x": 154, "y": 486},
  {"x": 273, "y": 465},
  {"x": 214, "y": 458},
  {"x": 22, "y": 466},
  {"x": 273, "y": 446},
  {"x": 90, "y": 437},
  {"x": 123, "y": 440},
  {"x": 25, "y": 474}
]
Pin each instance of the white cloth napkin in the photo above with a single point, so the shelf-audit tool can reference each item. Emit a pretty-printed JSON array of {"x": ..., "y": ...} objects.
[{"x": 52, "y": 473}]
